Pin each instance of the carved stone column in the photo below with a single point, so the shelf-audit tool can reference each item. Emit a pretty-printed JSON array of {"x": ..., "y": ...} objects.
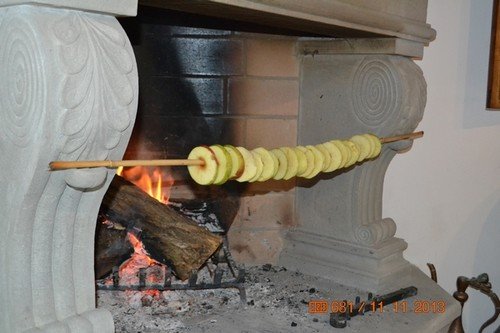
[
  {"x": 342, "y": 234},
  {"x": 68, "y": 91}
]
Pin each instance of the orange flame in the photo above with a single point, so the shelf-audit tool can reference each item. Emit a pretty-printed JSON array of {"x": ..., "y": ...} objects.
[
  {"x": 139, "y": 250},
  {"x": 155, "y": 184}
]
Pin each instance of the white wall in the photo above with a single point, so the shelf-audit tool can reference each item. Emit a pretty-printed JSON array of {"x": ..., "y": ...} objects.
[{"x": 444, "y": 194}]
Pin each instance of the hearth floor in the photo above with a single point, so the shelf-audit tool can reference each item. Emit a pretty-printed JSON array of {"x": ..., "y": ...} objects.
[{"x": 277, "y": 301}]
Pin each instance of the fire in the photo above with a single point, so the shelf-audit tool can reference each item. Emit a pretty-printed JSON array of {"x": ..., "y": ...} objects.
[
  {"x": 139, "y": 250},
  {"x": 153, "y": 183},
  {"x": 157, "y": 186},
  {"x": 139, "y": 259}
]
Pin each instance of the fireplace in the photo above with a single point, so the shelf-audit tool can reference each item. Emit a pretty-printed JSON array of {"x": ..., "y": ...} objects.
[{"x": 276, "y": 76}]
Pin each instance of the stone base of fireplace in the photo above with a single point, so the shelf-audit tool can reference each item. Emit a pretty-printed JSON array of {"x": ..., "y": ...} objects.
[{"x": 377, "y": 269}]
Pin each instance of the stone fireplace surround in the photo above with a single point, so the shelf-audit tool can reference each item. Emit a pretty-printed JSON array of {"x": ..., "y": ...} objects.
[{"x": 69, "y": 91}]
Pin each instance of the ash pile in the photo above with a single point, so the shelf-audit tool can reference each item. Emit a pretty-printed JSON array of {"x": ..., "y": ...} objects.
[{"x": 275, "y": 298}]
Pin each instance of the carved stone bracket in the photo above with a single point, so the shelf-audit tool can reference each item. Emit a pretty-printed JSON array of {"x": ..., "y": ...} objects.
[
  {"x": 341, "y": 233},
  {"x": 68, "y": 91}
]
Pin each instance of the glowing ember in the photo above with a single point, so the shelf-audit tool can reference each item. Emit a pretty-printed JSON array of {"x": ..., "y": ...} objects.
[
  {"x": 129, "y": 269},
  {"x": 139, "y": 259}
]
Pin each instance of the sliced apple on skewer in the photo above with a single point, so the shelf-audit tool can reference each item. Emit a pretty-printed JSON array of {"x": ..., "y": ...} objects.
[
  {"x": 372, "y": 145},
  {"x": 335, "y": 156},
  {"x": 293, "y": 162},
  {"x": 353, "y": 149},
  {"x": 363, "y": 145},
  {"x": 326, "y": 156},
  {"x": 250, "y": 167},
  {"x": 237, "y": 162},
  {"x": 203, "y": 174},
  {"x": 269, "y": 164},
  {"x": 224, "y": 164},
  {"x": 276, "y": 164},
  {"x": 344, "y": 152},
  {"x": 259, "y": 164},
  {"x": 378, "y": 145},
  {"x": 309, "y": 161},
  {"x": 318, "y": 161},
  {"x": 301, "y": 157},
  {"x": 282, "y": 165}
]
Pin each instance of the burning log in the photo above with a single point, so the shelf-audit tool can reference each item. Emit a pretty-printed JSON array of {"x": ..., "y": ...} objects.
[
  {"x": 111, "y": 248},
  {"x": 168, "y": 236}
]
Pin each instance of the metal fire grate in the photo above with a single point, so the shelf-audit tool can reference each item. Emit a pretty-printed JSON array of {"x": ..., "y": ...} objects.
[{"x": 222, "y": 256}]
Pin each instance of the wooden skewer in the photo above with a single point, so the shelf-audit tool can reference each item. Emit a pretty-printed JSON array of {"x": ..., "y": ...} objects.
[
  {"x": 62, "y": 165},
  {"x": 411, "y": 136}
]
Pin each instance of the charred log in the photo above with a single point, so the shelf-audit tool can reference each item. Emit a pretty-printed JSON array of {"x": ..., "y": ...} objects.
[
  {"x": 168, "y": 236},
  {"x": 111, "y": 248}
]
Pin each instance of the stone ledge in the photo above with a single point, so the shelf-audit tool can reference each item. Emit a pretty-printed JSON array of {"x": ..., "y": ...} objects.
[
  {"x": 390, "y": 46},
  {"x": 113, "y": 7},
  {"x": 339, "y": 18}
]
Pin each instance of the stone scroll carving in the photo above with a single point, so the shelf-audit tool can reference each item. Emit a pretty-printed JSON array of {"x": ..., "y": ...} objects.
[
  {"x": 375, "y": 232},
  {"x": 20, "y": 63},
  {"x": 347, "y": 95},
  {"x": 388, "y": 98},
  {"x": 376, "y": 92},
  {"x": 342, "y": 234},
  {"x": 68, "y": 91}
]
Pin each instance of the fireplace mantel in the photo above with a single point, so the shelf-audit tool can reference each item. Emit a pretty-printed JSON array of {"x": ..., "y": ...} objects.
[{"x": 404, "y": 19}]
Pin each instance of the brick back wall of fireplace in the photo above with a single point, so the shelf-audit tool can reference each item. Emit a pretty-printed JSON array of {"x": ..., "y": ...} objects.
[{"x": 207, "y": 86}]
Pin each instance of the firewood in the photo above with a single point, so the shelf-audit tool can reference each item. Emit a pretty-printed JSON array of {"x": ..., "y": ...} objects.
[
  {"x": 111, "y": 248},
  {"x": 168, "y": 236}
]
